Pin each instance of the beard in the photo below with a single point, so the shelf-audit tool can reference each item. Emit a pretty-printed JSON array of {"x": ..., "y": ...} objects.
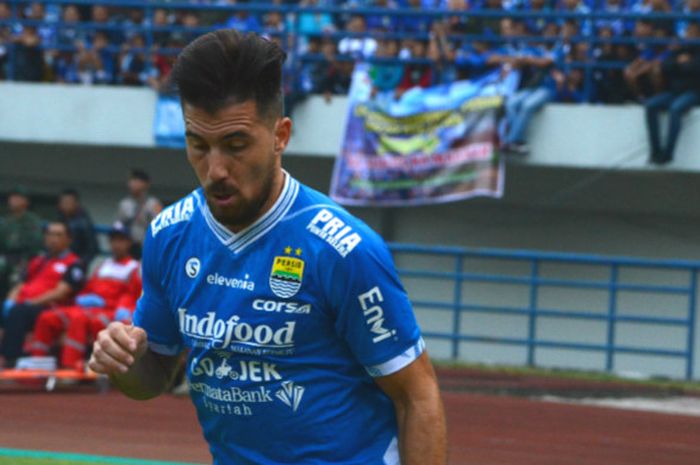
[{"x": 243, "y": 211}]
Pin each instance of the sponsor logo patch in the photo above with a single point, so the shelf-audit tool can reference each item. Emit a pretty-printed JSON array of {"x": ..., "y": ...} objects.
[
  {"x": 334, "y": 231},
  {"x": 287, "y": 274},
  {"x": 192, "y": 267}
]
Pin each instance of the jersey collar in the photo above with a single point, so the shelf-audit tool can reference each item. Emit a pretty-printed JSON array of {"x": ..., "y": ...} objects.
[{"x": 237, "y": 242}]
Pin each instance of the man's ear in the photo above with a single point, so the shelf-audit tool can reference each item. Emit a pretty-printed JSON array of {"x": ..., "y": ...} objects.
[{"x": 283, "y": 131}]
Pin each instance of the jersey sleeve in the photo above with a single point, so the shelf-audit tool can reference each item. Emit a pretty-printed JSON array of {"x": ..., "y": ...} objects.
[
  {"x": 152, "y": 310},
  {"x": 373, "y": 312}
]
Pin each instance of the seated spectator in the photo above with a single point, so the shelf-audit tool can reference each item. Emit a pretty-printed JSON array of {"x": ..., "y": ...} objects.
[
  {"x": 64, "y": 67},
  {"x": 413, "y": 24},
  {"x": 160, "y": 22},
  {"x": 109, "y": 295},
  {"x": 20, "y": 238},
  {"x": 242, "y": 20},
  {"x": 609, "y": 84},
  {"x": 163, "y": 62},
  {"x": 570, "y": 87},
  {"x": 132, "y": 63},
  {"x": 96, "y": 62},
  {"x": 49, "y": 280},
  {"x": 537, "y": 25},
  {"x": 471, "y": 59},
  {"x": 189, "y": 20},
  {"x": 690, "y": 7},
  {"x": 132, "y": 24},
  {"x": 576, "y": 6},
  {"x": 5, "y": 36},
  {"x": 378, "y": 22},
  {"x": 357, "y": 45},
  {"x": 617, "y": 26},
  {"x": 386, "y": 76},
  {"x": 104, "y": 23},
  {"x": 138, "y": 209},
  {"x": 338, "y": 75},
  {"x": 68, "y": 34},
  {"x": 680, "y": 71},
  {"x": 662, "y": 7},
  {"x": 638, "y": 73},
  {"x": 536, "y": 88},
  {"x": 82, "y": 231},
  {"x": 415, "y": 74},
  {"x": 29, "y": 57}
]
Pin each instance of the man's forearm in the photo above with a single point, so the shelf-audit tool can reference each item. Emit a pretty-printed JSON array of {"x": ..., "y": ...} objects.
[
  {"x": 422, "y": 433},
  {"x": 148, "y": 377}
]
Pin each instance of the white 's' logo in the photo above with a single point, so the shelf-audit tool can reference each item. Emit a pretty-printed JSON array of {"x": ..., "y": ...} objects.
[{"x": 192, "y": 267}]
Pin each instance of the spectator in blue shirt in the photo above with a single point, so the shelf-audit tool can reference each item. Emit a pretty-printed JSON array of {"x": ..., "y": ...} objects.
[
  {"x": 414, "y": 24},
  {"x": 537, "y": 25},
  {"x": 617, "y": 25},
  {"x": 536, "y": 89},
  {"x": 383, "y": 22},
  {"x": 690, "y": 7},
  {"x": 577, "y": 6}
]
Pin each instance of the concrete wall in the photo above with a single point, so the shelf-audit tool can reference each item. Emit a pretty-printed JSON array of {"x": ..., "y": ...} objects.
[{"x": 585, "y": 188}]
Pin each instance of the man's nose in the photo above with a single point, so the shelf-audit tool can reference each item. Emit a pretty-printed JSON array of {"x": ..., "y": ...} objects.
[{"x": 218, "y": 169}]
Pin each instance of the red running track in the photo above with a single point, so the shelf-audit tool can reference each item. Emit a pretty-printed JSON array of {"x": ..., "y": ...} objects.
[{"x": 483, "y": 430}]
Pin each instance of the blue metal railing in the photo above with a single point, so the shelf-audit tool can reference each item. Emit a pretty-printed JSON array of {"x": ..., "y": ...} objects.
[
  {"x": 291, "y": 31},
  {"x": 534, "y": 282},
  {"x": 534, "y": 311}
]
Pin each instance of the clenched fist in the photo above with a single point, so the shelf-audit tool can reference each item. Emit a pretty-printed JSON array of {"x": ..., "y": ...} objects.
[{"x": 116, "y": 348}]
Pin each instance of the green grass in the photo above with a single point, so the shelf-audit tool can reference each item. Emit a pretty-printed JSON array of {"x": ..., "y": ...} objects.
[
  {"x": 656, "y": 382},
  {"x": 36, "y": 457},
  {"x": 28, "y": 461}
]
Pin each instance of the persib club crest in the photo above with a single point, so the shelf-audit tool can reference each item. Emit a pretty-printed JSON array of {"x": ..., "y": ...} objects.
[{"x": 287, "y": 273}]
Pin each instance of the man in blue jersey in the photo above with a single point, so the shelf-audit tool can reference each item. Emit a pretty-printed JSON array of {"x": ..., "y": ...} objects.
[{"x": 303, "y": 348}]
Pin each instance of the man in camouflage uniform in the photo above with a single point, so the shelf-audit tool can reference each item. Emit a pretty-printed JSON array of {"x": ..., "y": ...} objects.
[{"x": 20, "y": 238}]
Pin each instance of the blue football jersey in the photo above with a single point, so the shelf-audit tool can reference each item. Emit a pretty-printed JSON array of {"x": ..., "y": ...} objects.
[{"x": 286, "y": 323}]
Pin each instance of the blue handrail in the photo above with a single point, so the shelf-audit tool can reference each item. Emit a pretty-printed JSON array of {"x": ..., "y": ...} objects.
[{"x": 534, "y": 310}]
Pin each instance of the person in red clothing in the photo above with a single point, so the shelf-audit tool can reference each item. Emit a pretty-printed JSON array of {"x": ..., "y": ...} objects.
[
  {"x": 49, "y": 280},
  {"x": 109, "y": 295}
]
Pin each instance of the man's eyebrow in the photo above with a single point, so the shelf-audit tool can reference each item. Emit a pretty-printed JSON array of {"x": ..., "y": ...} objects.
[
  {"x": 230, "y": 135},
  {"x": 189, "y": 133}
]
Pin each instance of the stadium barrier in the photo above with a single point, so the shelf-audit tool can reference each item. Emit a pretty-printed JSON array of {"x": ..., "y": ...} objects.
[
  {"x": 290, "y": 35},
  {"x": 534, "y": 281}
]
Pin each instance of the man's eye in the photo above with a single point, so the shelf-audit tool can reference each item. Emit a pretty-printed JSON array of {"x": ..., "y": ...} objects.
[{"x": 237, "y": 146}]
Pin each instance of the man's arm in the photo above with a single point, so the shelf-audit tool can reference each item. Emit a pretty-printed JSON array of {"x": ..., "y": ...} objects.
[
  {"x": 57, "y": 294},
  {"x": 419, "y": 413},
  {"x": 121, "y": 352}
]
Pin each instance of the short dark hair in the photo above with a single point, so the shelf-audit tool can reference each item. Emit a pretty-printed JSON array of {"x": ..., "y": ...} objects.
[
  {"x": 225, "y": 67},
  {"x": 140, "y": 174},
  {"x": 59, "y": 222},
  {"x": 70, "y": 191}
]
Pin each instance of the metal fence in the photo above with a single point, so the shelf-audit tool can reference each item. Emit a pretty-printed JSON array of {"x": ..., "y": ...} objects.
[
  {"x": 534, "y": 282},
  {"x": 291, "y": 32}
]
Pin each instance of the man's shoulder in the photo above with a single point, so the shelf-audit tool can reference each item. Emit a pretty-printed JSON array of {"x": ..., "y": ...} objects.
[
  {"x": 175, "y": 217},
  {"x": 336, "y": 228}
]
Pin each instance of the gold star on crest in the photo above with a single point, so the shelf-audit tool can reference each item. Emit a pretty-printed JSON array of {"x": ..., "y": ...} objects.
[
  {"x": 288, "y": 250},
  {"x": 298, "y": 252}
]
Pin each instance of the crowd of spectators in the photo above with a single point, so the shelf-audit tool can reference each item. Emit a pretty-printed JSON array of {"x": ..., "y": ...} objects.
[
  {"x": 57, "y": 290},
  {"x": 103, "y": 44},
  {"x": 560, "y": 57}
]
